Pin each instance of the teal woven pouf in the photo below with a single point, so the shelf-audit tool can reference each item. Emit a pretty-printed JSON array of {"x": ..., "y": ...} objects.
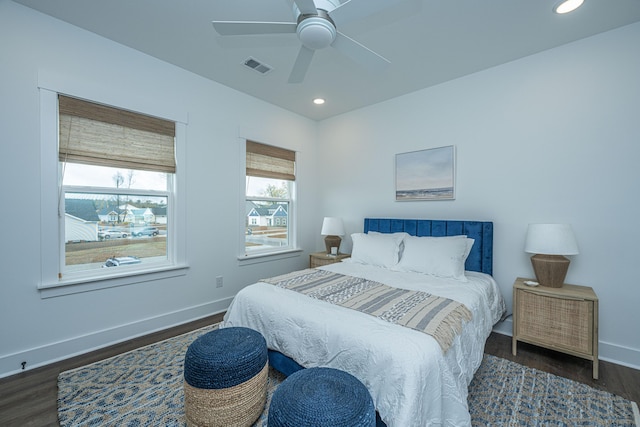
[
  {"x": 225, "y": 378},
  {"x": 320, "y": 397}
]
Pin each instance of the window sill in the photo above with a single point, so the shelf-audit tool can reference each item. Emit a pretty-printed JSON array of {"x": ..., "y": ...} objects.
[
  {"x": 267, "y": 257},
  {"x": 88, "y": 284}
]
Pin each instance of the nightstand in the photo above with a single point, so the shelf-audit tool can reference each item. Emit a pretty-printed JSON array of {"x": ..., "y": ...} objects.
[
  {"x": 318, "y": 259},
  {"x": 563, "y": 319}
]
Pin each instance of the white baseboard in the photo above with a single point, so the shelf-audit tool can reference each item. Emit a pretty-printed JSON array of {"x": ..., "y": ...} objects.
[
  {"x": 11, "y": 364},
  {"x": 505, "y": 327},
  {"x": 614, "y": 353}
]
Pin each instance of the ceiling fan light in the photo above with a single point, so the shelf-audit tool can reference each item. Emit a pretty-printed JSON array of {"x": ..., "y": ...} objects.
[
  {"x": 316, "y": 33},
  {"x": 567, "y": 6}
]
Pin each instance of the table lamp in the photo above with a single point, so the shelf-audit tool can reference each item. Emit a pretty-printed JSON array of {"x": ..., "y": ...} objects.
[
  {"x": 549, "y": 243},
  {"x": 332, "y": 228}
]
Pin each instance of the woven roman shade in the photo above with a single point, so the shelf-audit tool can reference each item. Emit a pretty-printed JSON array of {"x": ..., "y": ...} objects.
[
  {"x": 267, "y": 161},
  {"x": 98, "y": 135}
]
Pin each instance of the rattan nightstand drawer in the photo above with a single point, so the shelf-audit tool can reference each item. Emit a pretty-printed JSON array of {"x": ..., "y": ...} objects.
[
  {"x": 563, "y": 319},
  {"x": 555, "y": 322}
]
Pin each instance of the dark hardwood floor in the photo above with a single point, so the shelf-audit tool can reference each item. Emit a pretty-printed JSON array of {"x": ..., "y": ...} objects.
[{"x": 29, "y": 398}]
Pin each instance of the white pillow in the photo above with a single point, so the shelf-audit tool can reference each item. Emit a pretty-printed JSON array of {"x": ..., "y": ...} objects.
[
  {"x": 397, "y": 233},
  {"x": 437, "y": 256},
  {"x": 470, "y": 242},
  {"x": 378, "y": 249}
]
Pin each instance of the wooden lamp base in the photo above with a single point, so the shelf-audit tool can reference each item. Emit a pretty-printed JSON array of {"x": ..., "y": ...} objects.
[
  {"x": 550, "y": 269},
  {"x": 332, "y": 241}
]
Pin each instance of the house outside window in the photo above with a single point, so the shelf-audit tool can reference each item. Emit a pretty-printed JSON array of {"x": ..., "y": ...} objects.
[{"x": 269, "y": 198}]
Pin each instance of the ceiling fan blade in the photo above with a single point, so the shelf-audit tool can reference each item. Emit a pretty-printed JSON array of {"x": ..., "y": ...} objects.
[
  {"x": 358, "y": 9},
  {"x": 243, "y": 28},
  {"x": 301, "y": 65},
  {"x": 359, "y": 53},
  {"x": 306, "y": 7}
]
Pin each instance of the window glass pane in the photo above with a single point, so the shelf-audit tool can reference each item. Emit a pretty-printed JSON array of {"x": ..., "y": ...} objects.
[
  {"x": 267, "y": 225},
  {"x": 267, "y": 187},
  {"x": 112, "y": 230},
  {"x": 103, "y": 176}
]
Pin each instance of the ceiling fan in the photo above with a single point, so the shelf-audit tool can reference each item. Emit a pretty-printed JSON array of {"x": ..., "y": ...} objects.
[{"x": 316, "y": 27}]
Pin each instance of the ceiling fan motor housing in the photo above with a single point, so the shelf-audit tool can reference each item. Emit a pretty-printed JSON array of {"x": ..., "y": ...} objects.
[{"x": 316, "y": 32}]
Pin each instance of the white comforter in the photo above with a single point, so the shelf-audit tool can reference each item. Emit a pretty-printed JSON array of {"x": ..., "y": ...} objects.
[{"x": 411, "y": 381}]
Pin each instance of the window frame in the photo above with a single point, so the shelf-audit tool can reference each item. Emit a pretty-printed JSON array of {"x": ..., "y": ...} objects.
[
  {"x": 292, "y": 249},
  {"x": 52, "y": 282}
]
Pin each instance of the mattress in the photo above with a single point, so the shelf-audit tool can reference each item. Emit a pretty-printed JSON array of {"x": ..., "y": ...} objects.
[{"x": 412, "y": 382}]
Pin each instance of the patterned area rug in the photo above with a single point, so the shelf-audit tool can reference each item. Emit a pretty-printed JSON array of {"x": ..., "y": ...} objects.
[{"x": 144, "y": 388}]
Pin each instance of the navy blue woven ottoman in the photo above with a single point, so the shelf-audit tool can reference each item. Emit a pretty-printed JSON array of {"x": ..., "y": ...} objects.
[
  {"x": 321, "y": 397},
  {"x": 225, "y": 378}
]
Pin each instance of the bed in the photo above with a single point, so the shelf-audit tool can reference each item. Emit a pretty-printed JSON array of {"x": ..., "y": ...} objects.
[{"x": 414, "y": 379}]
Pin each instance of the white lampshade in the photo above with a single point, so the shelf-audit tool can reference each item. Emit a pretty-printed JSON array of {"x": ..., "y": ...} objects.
[
  {"x": 551, "y": 239},
  {"x": 332, "y": 226}
]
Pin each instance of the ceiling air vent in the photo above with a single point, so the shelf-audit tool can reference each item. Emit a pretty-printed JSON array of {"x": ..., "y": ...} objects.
[{"x": 258, "y": 66}]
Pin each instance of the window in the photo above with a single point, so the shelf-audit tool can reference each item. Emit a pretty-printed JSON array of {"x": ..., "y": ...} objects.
[
  {"x": 269, "y": 195},
  {"x": 115, "y": 194},
  {"x": 116, "y": 175}
]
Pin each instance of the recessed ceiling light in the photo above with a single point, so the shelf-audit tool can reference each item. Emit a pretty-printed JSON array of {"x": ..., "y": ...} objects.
[
  {"x": 318, "y": 101},
  {"x": 567, "y": 6}
]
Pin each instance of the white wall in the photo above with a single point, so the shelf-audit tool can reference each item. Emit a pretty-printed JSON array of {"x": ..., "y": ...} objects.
[
  {"x": 554, "y": 137},
  {"x": 39, "y": 330}
]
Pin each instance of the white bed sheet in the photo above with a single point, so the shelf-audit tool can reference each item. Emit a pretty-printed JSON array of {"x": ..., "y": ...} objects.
[{"x": 411, "y": 381}]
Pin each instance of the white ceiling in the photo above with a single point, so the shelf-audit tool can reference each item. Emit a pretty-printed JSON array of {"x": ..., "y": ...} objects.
[{"x": 427, "y": 41}]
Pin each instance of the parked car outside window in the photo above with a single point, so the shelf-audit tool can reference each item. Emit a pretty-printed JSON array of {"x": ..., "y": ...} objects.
[
  {"x": 123, "y": 260},
  {"x": 109, "y": 234},
  {"x": 146, "y": 231}
]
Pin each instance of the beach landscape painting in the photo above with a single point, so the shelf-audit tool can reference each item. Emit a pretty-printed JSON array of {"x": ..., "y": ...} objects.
[{"x": 426, "y": 174}]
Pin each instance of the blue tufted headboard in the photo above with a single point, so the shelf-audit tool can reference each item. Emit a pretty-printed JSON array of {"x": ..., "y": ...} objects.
[{"x": 481, "y": 255}]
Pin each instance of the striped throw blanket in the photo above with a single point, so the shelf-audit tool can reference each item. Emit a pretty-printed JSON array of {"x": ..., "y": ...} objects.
[{"x": 439, "y": 317}]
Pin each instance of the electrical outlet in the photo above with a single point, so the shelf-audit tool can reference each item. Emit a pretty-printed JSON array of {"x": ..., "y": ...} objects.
[{"x": 219, "y": 282}]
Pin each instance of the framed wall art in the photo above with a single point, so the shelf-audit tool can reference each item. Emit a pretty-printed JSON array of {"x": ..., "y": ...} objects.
[{"x": 426, "y": 174}]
